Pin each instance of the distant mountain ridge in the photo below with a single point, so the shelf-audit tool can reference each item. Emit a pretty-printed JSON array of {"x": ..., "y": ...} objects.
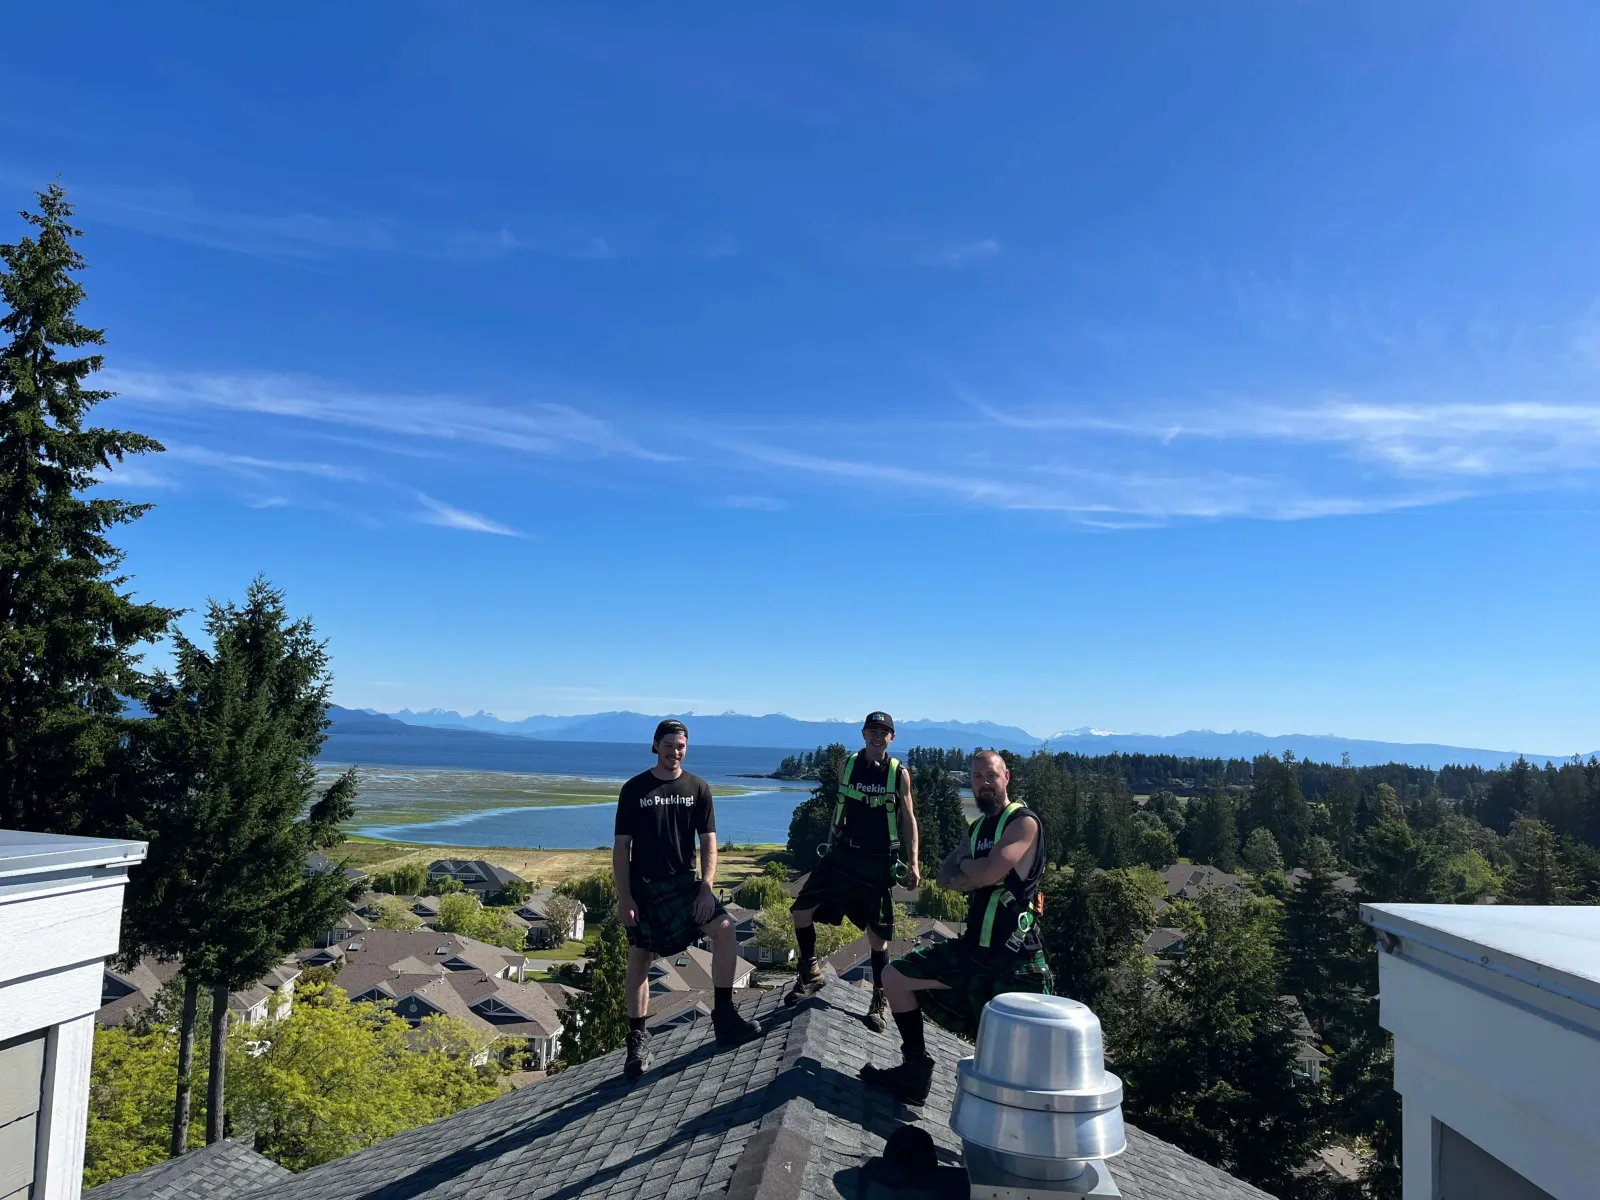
[
  {"x": 725, "y": 729},
  {"x": 784, "y": 732}
]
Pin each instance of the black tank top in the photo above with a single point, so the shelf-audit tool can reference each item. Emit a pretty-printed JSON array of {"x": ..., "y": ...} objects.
[
  {"x": 1004, "y": 917},
  {"x": 865, "y": 825}
]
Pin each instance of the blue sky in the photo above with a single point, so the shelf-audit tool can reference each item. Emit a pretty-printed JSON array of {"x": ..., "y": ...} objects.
[{"x": 1228, "y": 365}]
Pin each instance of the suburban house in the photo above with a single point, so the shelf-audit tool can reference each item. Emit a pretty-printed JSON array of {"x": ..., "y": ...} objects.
[
  {"x": 690, "y": 971},
  {"x": 392, "y": 946},
  {"x": 321, "y": 864},
  {"x": 481, "y": 878},
  {"x": 424, "y": 973},
  {"x": 535, "y": 912},
  {"x": 1309, "y": 1057},
  {"x": 347, "y": 927},
  {"x": 1164, "y": 944},
  {"x": 124, "y": 994}
]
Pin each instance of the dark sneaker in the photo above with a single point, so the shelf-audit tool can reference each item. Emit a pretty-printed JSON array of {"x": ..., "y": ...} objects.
[
  {"x": 807, "y": 983},
  {"x": 638, "y": 1060},
  {"x": 908, "y": 1083},
  {"x": 878, "y": 1014},
  {"x": 731, "y": 1028}
]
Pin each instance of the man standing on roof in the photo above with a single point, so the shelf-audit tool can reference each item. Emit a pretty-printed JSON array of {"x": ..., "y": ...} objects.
[
  {"x": 866, "y": 856},
  {"x": 1001, "y": 951},
  {"x": 662, "y": 905}
]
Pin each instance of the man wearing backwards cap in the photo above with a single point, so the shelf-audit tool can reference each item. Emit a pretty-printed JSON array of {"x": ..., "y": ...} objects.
[
  {"x": 662, "y": 905},
  {"x": 872, "y": 845}
]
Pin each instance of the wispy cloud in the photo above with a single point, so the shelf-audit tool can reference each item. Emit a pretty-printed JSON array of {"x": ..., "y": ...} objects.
[
  {"x": 1093, "y": 496},
  {"x": 437, "y": 512},
  {"x": 963, "y": 254},
  {"x": 1424, "y": 440},
  {"x": 534, "y": 428}
]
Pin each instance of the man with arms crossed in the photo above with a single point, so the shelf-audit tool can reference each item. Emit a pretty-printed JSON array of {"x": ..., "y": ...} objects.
[
  {"x": 998, "y": 867},
  {"x": 856, "y": 878},
  {"x": 662, "y": 905}
]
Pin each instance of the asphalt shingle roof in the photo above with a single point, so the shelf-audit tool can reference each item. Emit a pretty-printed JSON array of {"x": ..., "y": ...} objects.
[
  {"x": 219, "y": 1170},
  {"x": 784, "y": 1115}
]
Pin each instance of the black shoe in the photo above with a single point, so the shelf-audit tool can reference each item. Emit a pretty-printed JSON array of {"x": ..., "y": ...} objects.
[
  {"x": 908, "y": 1083},
  {"x": 807, "y": 983},
  {"x": 878, "y": 1015},
  {"x": 731, "y": 1028},
  {"x": 638, "y": 1060}
]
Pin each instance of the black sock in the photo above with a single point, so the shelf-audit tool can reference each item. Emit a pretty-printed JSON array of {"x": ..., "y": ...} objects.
[
  {"x": 724, "y": 999},
  {"x": 806, "y": 935},
  {"x": 880, "y": 960},
  {"x": 912, "y": 1045},
  {"x": 635, "y": 1024}
]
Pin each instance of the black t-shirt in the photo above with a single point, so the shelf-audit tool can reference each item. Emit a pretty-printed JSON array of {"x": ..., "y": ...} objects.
[{"x": 662, "y": 816}]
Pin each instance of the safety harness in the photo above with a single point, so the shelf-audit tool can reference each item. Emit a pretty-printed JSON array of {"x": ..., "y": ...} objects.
[
  {"x": 889, "y": 799},
  {"x": 1012, "y": 892}
]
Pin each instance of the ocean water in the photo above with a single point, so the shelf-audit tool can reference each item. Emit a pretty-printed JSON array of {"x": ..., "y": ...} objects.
[{"x": 757, "y": 817}]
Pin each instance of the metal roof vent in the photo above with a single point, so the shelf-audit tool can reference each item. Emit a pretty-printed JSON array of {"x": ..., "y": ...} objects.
[{"x": 1036, "y": 1110}]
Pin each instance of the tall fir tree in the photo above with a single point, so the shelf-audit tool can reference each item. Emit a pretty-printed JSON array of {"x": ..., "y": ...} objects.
[
  {"x": 941, "y": 823},
  {"x": 597, "y": 1021},
  {"x": 813, "y": 817},
  {"x": 1093, "y": 926},
  {"x": 69, "y": 634},
  {"x": 1214, "y": 1070},
  {"x": 1277, "y": 804},
  {"x": 1212, "y": 834},
  {"x": 233, "y": 809}
]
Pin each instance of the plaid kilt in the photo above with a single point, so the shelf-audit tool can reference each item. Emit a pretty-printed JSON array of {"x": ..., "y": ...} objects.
[
  {"x": 666, "y": 914},
  {"x": 972, "y": 977},
  {"x": 848, "y": 884}
]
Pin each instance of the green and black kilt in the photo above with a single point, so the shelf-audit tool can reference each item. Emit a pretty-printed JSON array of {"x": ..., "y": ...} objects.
[
  {"x": 848, "y": 884},
  {"x": 666, "y": 914},
  {"x": 972, "y": 977}
]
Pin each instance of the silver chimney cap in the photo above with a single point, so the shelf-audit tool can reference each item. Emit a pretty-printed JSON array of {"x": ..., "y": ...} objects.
[{"x": 1036, "y": 1110}]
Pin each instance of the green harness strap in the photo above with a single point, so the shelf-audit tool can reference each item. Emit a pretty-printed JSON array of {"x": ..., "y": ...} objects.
[
  {"x": 890, "y": 799},
  {"x": 1000, "y": 895}
]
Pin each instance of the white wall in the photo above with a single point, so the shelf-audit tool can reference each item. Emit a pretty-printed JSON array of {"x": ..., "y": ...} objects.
[
  {"x": 1518, "y": 1081},
  {"x": 57, "y": 927}
]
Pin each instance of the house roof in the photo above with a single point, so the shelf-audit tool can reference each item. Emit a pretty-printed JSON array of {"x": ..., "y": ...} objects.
[
  {"x": 388, "y": 947},
  {"x": 147, "y": 977},
  {"x": 1186, "y": 882},
  {"x": 321, "y": 864},
  {"x": 690, "y": 970},
  {"x": 782, "y": 1115},
  {"x": 221, "y": 1169},
  {"x": 533, "y": 908},
  {"x": 1163, "y": 939},
  {"x": 455, "y": 866},
  {"x": 1342, "y": 882}
]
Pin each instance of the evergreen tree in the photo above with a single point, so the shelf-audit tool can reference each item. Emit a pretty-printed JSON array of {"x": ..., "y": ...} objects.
[
  {"x": 1094, "y": 925},
  {"x": 1395, "y": 865},
  {"x": 597, "y": 1021},
  {"x": 1155, "y": 848},
  {"x": 1277, "y": 804},
  {"x": 232, "y": 811},
  {"x": 69, "y": 634},
  {"x": 1542, "y": 875},
  {"x": 1213, "y": 1069},
  {"x": 813, "y": 817},
  {"x": 1328, "y": 959},
  {"x": 1261, "y": 855},
  {"x": 1212, "y": 835},
  {"x": 941, "y": 823}
]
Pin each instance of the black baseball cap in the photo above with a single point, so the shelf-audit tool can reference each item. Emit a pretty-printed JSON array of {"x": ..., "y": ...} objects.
[{"x": 879, "y": 718}]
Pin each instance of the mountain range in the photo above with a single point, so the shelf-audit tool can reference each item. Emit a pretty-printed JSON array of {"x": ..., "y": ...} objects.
[{"x": 785, "y": 733}]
